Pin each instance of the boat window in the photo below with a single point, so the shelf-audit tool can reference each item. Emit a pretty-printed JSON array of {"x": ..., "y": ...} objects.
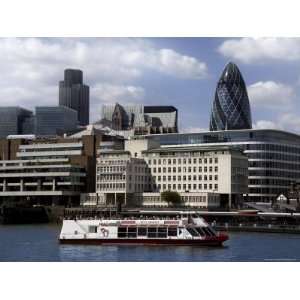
[
  {"x": 152, "y": 232},
  {"x": 207, "y": 232},
  {"x": 142, "y": 231},
  {"x": 192, "y": 231},
  {"x": 162, "y": 232},
  {"x": 172, "y": 231},
  {"x": 200, "y": 231},
  {"x": 132, "y": 231},
  {"x": 122, "y": 232},
  {"x": 211, "y": 231},
  {"x": 92, "y": 229}
]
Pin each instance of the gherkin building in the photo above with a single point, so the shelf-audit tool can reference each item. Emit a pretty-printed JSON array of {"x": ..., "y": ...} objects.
[{"x": 231, "y": 108}]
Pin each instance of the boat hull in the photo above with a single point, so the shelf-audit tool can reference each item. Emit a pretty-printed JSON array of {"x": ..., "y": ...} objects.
[{"x": 216, "y": 242}]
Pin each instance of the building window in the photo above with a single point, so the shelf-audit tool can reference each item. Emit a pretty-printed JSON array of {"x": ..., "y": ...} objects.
[
  {"x": 216, "y": 187},
  {"x": 216, "y": 169},
  {"x": 216, "y": 177},
  {"x": 216, "y": 160}
]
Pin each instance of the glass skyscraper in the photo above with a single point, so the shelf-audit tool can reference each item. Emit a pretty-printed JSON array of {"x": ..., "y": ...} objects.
[
  {"x": 12, "y": 120},
  {"x": 54, "y": 120},
  {"x": 76, "y": 95},
  {"x": 231, "y": 108}
]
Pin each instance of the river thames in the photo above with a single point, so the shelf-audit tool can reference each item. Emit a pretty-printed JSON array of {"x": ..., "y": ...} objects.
[{"x": 40, "y": 243}]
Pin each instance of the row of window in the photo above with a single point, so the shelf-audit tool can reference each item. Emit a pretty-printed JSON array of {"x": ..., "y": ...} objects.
[
  {"x": 169, "y": 161},
  {"x": 184, "y": 169},
  {"x": 270, "y": 147},
  {"x": 273, "y": 156},
  {"x": 187, "y": 187},
  {"x": 274, "y": 164},
  {"x": 274, "y": 173},
  {"x": 185, "y": 177}
]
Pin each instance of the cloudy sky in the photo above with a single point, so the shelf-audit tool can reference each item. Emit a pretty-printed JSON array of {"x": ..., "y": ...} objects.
[{"x": 159, "y": 71}]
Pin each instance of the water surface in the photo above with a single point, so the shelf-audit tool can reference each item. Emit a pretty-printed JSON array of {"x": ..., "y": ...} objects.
[{"x": 40, "y": 243}]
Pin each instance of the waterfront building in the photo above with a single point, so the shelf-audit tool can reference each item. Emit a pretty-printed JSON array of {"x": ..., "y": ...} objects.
[
  {"x": 140, "y": 119},
  {"x": 230, "y": 108},
  {"x": 274, "y": 156},
  {"x": 49, "y": 170},
  {"x": 74, "y": 94},
  {"x": 54, "y": 120},
  {"x": 13, "y": 120},
  {"x": 204, "y": 177}
]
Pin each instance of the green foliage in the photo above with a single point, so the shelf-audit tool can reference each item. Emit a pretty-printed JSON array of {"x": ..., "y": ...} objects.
[{"x": 171, "y": 197}]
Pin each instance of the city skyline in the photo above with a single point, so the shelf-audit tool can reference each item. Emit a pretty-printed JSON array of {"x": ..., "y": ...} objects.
[{"x": 167, "y": 71}]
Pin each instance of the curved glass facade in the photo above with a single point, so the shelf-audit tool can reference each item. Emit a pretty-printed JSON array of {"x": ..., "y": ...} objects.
[
  {"x": 231, "y": 108},
  {"x": 273, "y": 156}
]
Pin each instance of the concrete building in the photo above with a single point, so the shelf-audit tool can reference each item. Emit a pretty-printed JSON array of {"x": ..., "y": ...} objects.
[
  {"x": 49, "y": 170},
  {"x": 13, "y": 120},
  {"x": 75, "y": 95},
  {"x": 204, "y": 177}
]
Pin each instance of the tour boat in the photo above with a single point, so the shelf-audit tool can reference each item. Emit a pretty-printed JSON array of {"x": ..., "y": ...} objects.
[{"x": 143, "y": 230}]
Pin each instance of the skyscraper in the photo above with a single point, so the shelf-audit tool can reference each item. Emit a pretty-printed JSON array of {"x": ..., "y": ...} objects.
[
  {"x": 54, "y": 120},
  {"x": 76, "y": 95},
  {"x": 13, "y": 119},
  {"x": 231, "y": 108}
]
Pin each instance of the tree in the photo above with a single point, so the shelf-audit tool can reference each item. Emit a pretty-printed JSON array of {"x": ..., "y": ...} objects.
[{"x": 171, "y": 197}]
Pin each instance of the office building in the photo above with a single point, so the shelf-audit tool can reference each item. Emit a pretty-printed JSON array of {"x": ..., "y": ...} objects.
[
  {"x": 230, "y": 108},
  {"x": 13, "y": 120},
  {"x": 204, "y": 177},
  {"x": 274, "y": 156},
  {"x": 54, "y": 120},
  {"x": 49, "y": 170},
  {"x": 75, "y": 95}
]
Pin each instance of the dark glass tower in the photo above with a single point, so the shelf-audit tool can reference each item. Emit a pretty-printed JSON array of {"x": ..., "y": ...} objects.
[
  {"x": 231, "y": 108},
  {"x": 76, "y": 95}
]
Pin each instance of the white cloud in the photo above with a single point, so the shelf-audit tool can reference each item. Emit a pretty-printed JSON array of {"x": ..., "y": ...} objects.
[
  {"x": 31, "y": 68},
  {"x": 271, "y": 94},
  {"x": 290, "y": 121},
  {"x": 265, "y": 124},
  {"x": 118, "y": 93},
  {"x": 105, "y": 93},
  {"x": 250, "y": 50}
]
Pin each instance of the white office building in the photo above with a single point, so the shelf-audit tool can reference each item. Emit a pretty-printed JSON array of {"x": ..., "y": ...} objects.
[{"x": 205, "y": 177}]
